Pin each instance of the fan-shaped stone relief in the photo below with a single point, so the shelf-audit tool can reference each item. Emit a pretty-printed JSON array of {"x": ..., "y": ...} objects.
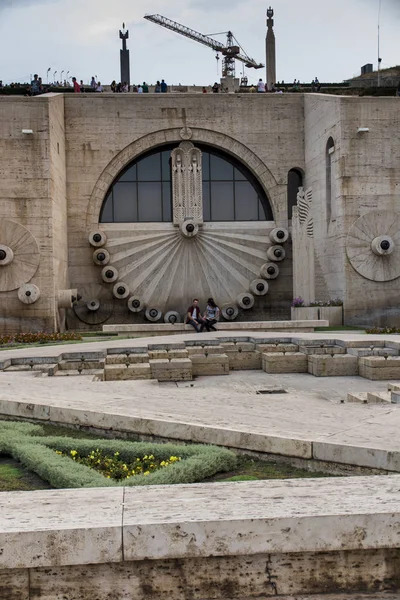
[
  {"x": 19, "y": 255},
  {"x": 373, "y": 245},
  {"x": 165, "y": 269}
]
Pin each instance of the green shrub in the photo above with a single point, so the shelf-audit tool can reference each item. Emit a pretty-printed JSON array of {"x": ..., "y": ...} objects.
[{"x": 37, "y": 453}]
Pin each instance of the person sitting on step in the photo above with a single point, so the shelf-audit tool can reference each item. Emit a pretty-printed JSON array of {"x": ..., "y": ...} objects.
[
  {"x": 194, "y": 317},
  {"x": 211, "y": 315}
]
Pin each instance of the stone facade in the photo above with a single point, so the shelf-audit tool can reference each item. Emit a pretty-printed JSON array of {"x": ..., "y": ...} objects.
[{"x": 54, "y": 182}]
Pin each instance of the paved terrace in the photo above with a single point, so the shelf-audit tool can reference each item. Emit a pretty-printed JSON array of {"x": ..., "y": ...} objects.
[{"x": 308, "y": 422}]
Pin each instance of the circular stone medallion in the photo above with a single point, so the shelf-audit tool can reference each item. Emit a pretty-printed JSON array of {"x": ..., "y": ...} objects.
[{"x": 373, "y": 245}]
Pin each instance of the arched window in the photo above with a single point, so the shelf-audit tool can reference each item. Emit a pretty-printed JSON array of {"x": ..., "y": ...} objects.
[
  {"x": 143, "y": 192},
  {"x": 295, "y": 180},
  {"x": 330, "y": 200}
]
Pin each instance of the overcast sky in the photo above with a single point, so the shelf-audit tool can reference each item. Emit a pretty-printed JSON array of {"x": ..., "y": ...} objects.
[{"x": 330, "y": 39}]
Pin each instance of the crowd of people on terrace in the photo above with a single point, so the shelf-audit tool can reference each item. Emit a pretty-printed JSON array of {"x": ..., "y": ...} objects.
[{"x": 37, "y": 87}]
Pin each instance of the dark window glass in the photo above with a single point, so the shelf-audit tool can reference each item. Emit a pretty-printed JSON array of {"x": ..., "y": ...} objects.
[
  {"x": 239, "y": 176},
  {"x": 206, "y": 201},
  {"x": 130, "y": 174},
  {"x": 143, "y": 193},
  {"x": 246, "y": 202},
  {"x": 149, "y": 168},
  {"x": 166, "y": 165},
  {"x": 206, "y": 166},
  {"x": 125, "y": 203},
  {"x": 221, "y": 170},
  {"x": 149, "y": 202},
  {"x": 295, "y": 180},
  {"x": 222, "y": 204},
  {"x": 107, "y": 211},
  {"x": 261, "y": 212},
  {"x": 167, "y": 204}
]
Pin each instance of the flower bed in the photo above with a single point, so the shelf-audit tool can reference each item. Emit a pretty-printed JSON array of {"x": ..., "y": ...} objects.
[
  {"x": 38, "y": 338},
  {"x": 113, "y": 467},
  {"x": 50, "y": 458},
  {"x": 383, "y": 330}
]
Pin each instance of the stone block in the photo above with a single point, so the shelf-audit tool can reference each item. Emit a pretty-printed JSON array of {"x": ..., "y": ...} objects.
[
  {"x": 333, "y": 314},
  {"x": 158, "y": 354},
  {"x": 74, "y": 365},
  {"x": 357, "y": 397},
  {"x": 193, "y": 350},
  {"x": 291, "y": 362},
  {"x": 304, "y": 313},
  {"x": 244, "y": 360},
  {"x": 378, "y": 368},
  {"x": 322, "y": 350},
  {"x": 236, "y": 346},
  {"x": 338, "y": 365},
  {"x": 395, "y": 397},
  {"x": 123, "y": 373},
  {"x": 393, "y": 387},
  {"x": 212, "y": 364},
  {"x": 277, "y": 347},
  {"x": 178, "y": 354},
  {"x": 379, "y": 397},
  {"x": 133, "y": 359},
  {"x": 176, "y": 369}
]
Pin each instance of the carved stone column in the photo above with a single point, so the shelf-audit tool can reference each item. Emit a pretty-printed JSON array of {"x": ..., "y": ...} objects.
[
  {"x": 303, "y": 247},
  {"x": 187, "y": 184}
]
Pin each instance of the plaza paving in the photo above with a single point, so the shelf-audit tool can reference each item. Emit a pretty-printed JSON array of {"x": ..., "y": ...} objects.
[{"x": 310, "y": 421}]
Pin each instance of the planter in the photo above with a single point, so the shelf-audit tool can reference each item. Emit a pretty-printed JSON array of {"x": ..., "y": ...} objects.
[
  {"x": 304, "y": 313},
  {"x": 333, "y": 314}
]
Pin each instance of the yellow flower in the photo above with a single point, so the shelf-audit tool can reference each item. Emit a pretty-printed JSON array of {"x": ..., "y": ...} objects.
[
  {"x": 146, "y": 473},
  {"x": 74, "y": 452}
]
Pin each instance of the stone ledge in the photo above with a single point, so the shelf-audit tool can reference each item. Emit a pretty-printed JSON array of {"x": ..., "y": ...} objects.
[
  {"x": 93, "y": 526},
  {"x": 166, "y": 329}
]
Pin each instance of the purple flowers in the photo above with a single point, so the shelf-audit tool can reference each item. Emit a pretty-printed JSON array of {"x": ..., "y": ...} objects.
[{"x": 298, "y": 302}]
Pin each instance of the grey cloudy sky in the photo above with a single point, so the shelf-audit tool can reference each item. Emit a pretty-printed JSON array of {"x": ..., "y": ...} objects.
[{"x": 324, "y": 38}]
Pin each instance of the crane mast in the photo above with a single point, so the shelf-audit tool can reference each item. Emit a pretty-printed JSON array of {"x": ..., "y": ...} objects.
[{"x": 230, "y": 51}]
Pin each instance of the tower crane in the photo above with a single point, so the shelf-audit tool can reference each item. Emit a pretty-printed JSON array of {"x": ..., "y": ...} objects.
[{"x": 231, "y": 51}]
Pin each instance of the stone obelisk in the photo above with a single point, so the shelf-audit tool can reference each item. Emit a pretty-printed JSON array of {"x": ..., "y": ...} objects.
[
  {"x": 271, "y": 50},
  {"x": 125, "y": 65}
]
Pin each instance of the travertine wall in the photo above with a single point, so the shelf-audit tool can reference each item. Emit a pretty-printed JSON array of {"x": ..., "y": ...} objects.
[
  {"x": 32, "y": 193},
  {"x": 365, "y": 178},
  {"x": 54, "y": 182},
  {"x": 104, "y": 134}
]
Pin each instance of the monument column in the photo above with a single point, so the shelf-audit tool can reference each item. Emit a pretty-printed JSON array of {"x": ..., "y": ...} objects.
[
  {"x": 270, "y": 50},
  {"x": 125, "y": 66}
]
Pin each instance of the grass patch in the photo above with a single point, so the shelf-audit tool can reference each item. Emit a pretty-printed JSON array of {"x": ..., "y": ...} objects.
[
  {"x": 14, "y": 478},
  {"x": 249, "y": 468}
]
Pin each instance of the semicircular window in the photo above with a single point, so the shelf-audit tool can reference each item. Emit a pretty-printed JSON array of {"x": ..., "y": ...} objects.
[{"x": 142, "y": 193}]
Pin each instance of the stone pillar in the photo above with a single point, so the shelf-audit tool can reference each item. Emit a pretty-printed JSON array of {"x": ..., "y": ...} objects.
[
  {"x": 270, "y": 50},
  {"x": 124, "y": 57},
  {"x": 187, "y": 184},
  {"x": 303, "y": 247}
]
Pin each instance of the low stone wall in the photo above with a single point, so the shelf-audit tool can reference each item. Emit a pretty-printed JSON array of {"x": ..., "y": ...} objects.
[
  {"x": 264, "y": 539},
  {"x": 304, "y": 325}
]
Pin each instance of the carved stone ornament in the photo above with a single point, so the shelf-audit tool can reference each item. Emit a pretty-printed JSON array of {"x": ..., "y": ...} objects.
[
  {"x": 28, "y": 293},
  {"x": 187, "y": 185},
  {"x": 304, "y": 201},
  {"x": 186, "y": 133},
  {"x": 19, "y": 255},
  {"x": 373, "y": 245}
]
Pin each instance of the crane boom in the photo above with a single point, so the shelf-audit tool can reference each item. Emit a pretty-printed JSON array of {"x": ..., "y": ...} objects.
[{"x": 230, "y": 51}]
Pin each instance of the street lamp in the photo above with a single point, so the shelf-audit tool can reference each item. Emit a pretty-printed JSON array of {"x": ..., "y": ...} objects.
[
  {"x": 61, "y": 74},
  {"x": 48, "y": 70},
  {"x": 54, "y": 76}
]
